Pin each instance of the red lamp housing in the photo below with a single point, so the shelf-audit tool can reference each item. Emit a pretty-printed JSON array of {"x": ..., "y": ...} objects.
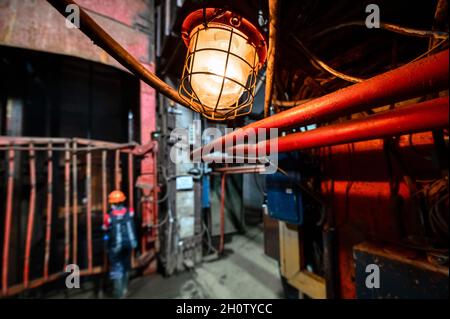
[{"x": 225, "y": 53}]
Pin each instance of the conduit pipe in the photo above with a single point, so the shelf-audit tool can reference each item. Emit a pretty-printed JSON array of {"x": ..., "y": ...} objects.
[
  {"x": 421, "y": 117},
  {"x": 408, "y": 81},
  {"x": 101, "y": 38},
  {"x": 273, "y": 22}
]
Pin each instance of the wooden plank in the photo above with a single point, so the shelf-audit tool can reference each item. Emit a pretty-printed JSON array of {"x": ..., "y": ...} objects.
[{"x": 309, "y": 284}]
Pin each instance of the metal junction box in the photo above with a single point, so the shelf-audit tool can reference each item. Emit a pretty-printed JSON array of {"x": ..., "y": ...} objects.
[{"x": 284, "y": 199}]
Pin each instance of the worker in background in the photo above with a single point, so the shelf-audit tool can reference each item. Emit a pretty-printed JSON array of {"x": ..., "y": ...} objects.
[{"x": 120, "y": 237}]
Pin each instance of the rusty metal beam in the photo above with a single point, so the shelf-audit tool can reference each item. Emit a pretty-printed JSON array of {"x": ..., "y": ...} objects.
[
  {"x": 48, "y": 224},
  {"x": 31, "y": 212}
]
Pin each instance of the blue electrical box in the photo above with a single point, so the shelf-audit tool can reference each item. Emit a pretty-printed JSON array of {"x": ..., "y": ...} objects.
[{"x": 284, "y": 199}]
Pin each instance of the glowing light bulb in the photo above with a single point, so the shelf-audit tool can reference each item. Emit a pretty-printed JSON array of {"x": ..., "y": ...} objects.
[{"x": 219, "y": 78}]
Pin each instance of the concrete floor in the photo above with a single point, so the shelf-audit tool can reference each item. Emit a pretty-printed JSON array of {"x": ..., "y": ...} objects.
[{"x": 244, "y": 272}]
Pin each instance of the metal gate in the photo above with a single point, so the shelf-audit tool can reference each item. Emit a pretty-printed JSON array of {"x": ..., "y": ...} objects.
[{"x": 65, "y": 182}]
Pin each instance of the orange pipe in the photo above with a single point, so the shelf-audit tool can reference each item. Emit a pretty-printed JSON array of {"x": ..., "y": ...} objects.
[
  {"x": 66, "y": 206},
  {"x": 89, "y": 208},
  {"x": 7, "y": 235}
]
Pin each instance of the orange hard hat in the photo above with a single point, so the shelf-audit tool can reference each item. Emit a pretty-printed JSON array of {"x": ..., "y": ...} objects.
[{"x": 116, "y": 197}]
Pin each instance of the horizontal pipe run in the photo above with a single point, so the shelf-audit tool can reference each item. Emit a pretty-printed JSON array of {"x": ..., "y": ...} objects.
[
  {"x": 421, "y": 117},
  {"x": 408, "y": 81}
]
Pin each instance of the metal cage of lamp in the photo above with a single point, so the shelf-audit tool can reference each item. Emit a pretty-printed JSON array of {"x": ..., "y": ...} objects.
[{"x": 217, "y": 80}]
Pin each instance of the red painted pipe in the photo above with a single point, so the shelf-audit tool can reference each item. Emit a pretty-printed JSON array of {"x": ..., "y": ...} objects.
[
  {"x": 425, "y": 116},
  {"x": 104, "y": 185},
  {"x": 8, "y": 216},
  {"x": 75, "y": 204},
  {"x": 130, "y": 182},
  {"x": 408, "y": 81},
  {"x": 89, "y": 208},
  {"x": 66, "y": 205},
  {"x": 104, "y": 198}
]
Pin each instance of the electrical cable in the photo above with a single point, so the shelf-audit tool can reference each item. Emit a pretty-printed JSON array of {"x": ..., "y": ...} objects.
[{"x": 319, "y": 64}]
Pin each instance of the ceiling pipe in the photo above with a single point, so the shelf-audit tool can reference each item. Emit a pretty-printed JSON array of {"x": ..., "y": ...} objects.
[
  {"x": 274, "y": 7},
  {"x": 101, "y": 38},
  {"x": 411, "y": 80},
  {"x": 421, "y": 117}
]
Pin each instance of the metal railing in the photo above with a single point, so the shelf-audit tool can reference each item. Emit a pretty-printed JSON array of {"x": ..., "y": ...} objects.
[{"x": 52, "y": 172}]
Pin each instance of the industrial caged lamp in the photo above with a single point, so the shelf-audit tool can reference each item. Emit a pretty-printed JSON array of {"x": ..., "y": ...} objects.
[{"x": 225, "y": 53}]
